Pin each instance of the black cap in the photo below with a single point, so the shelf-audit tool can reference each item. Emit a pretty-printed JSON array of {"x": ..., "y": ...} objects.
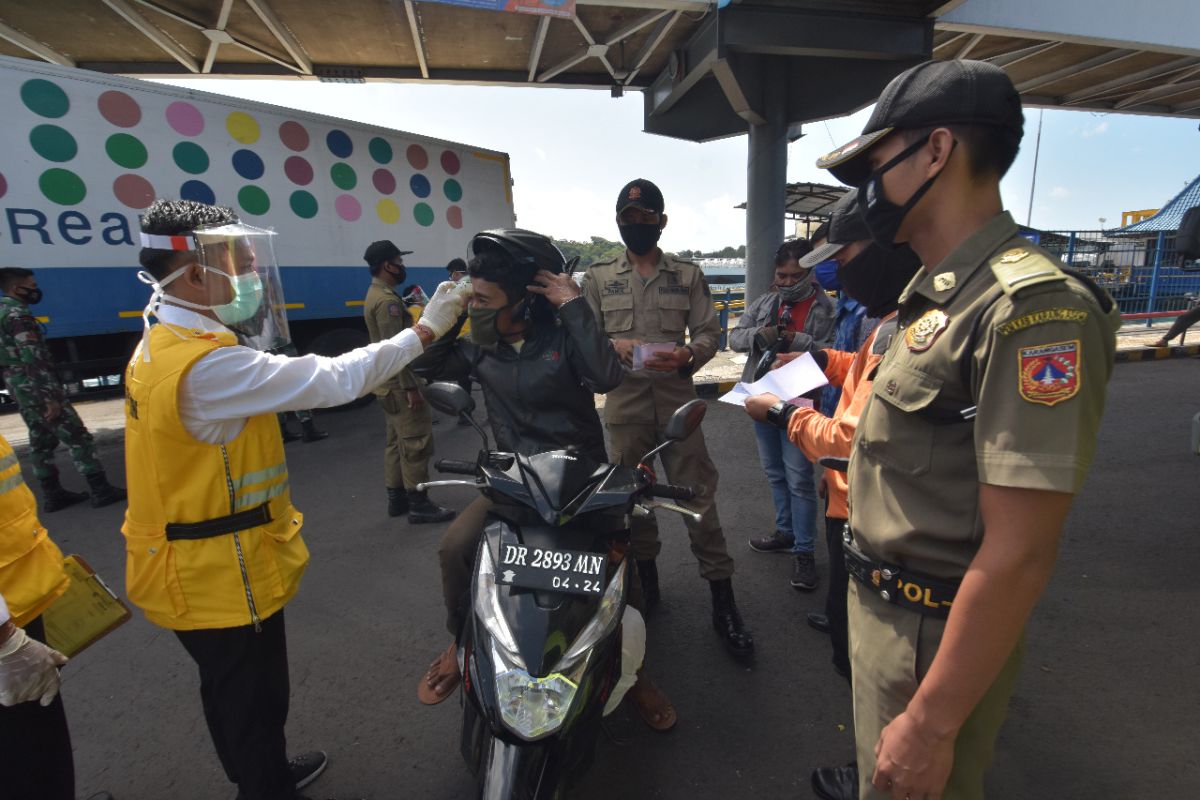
[
  {"x": 930, "y": 94},
  {"x": 381, "y": 251},
  {"x": 846, "y": 226},
  {"x": 640, "y": 193}
]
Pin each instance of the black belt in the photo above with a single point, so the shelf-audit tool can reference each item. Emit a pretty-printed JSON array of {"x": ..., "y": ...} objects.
[
  {"x": 230, "y": 523},
  {"x": 907, "y": 589}
]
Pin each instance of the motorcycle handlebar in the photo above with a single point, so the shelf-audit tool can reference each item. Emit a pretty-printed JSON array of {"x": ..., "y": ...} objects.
[
  {"x": 457, "y": 467},
  {"x": 670, "y": 492}
]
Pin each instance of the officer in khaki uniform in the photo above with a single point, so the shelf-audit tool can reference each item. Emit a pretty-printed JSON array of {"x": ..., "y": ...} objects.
[
  {"x": 409, "y": 423},
  {"x": 645, "y": 297},
  {"x": 980, "y": 429}
]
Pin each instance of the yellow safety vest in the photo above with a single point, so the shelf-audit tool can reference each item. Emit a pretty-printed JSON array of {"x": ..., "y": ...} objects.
[
  {"x": 211, "y": 537},
  {"x": 31, "y": 566}
]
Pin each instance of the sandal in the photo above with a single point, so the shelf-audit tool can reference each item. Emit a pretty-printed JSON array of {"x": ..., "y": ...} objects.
[
  {"x": 652, "y": 705},
  {"x": 442, "y": 678},
  {"x": 1159, "y": 344}
]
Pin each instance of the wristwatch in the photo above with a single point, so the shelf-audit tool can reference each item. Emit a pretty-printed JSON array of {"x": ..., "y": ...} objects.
[{"x": 779, "y": 414}]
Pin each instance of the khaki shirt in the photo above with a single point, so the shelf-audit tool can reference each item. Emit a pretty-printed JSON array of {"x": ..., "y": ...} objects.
[
  {"x": 675, "y": 301},
  {"x": 999, "y": 326},
  {"x": 386, "y": 316}
]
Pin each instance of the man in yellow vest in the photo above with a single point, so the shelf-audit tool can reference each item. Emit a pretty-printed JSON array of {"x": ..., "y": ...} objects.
[
  {"x": 34, "y": 740},
  {"x": 213, "y": 542}
]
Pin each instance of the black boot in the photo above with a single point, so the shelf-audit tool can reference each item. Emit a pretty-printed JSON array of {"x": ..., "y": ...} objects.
[
  {"x": 648, "y": 573},
  {"x": 103, "y": 492},
  {"x": 56, "y": 498},
  {"x": 397, "y": 502},
  {"x": 285, "y": 431},
  {"x": 311, "y": 434},
  {"x": 728, "y": 621},
  {"x": 836, "y": 783},
  {"x": 421, "y": 509}
]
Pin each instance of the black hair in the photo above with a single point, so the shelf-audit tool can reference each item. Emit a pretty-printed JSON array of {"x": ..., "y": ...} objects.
[
  {"x": 10, "y": 275},
  {"x": 792, "y": 250},
  {"x": 991, "y": 150},
  {"x": 456, "y": 265},
  {"x": 495, "y": 265},
  {"x": 175, "y": 218}
]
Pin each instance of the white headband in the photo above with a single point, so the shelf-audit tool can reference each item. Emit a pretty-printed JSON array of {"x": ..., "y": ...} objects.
[{"x": 184, "y": 242}]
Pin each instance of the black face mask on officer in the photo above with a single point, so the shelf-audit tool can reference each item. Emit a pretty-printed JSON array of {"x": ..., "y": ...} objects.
[
  {"x": 640, "y": 237},
  {"x": 30, "y": 297},
  {"x": 876, "y": 276},
  {"x": 883, "y": 217},
  {"x": 397, "y": 271}
]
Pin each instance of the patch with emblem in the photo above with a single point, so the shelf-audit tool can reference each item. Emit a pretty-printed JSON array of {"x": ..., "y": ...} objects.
[
  {"x": 635, "y": 193},
  {"x": 616, "y": 287},
  {"x": 394, "y": 309},
  {"x": 1041, "y": 317},
  {"x": 920, "y": 335},
  {"x": 944, "y": 282},
  {"x": 1049, "y": 373},
  {"x": 1014, "y": 255}
]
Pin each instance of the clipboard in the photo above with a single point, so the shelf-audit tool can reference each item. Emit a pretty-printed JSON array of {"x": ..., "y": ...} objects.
[{"x": 87, "y": 612}]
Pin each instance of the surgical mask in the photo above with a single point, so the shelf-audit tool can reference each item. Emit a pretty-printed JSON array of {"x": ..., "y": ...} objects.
[
  {"x": 483, "y": 326},
  {"x": 31, "y": 297},
  {"x": 640, "y": 237},
  {"x": 247, "y": 298},
  {"x": 826, "y": 275},
  {"x": 883, "y": 217},
  {"x": 877, "y": 276},
  {"x": 800, "y": 290}
]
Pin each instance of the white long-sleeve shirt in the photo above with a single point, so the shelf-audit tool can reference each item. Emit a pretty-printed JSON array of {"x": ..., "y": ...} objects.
[{"x": 231, "y": 384}]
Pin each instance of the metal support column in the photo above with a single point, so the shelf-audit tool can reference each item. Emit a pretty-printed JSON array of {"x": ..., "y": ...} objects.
[
  {"x": 1158, "y": 254},
  {"x": 766, "y": 178}
]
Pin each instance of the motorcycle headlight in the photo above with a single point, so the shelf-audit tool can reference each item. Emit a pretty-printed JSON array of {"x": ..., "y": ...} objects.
[
  {"x": 605, "y": 619},
  {"x": 487, "y": 608},
  {"x": 534, "y": 707}
]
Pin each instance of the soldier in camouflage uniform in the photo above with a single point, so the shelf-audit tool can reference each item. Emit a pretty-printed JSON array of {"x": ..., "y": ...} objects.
[{"x": 34, "y": 386}]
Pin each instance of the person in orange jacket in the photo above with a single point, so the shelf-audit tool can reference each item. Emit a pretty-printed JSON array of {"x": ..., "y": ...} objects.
[{"x": 875, "y": 277}]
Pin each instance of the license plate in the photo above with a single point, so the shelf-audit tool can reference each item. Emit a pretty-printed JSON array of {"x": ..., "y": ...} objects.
[{"x": 554, "y": 570}]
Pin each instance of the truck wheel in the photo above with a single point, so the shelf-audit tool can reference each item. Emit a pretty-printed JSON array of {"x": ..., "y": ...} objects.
[{"x": 335, "y": 343}]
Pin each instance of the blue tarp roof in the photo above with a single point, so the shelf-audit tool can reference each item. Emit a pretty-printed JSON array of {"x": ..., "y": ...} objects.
[{"x": 1169, "y": 216}]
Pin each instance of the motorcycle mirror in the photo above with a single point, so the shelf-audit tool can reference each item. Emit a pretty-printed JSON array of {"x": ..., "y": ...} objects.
[
  {"x": 449, "y": 398},
  {"x": 686, "y": 420}
]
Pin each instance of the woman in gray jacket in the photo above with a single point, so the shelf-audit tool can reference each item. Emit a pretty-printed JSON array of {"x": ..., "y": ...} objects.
[{"x": 796, "y": 316}]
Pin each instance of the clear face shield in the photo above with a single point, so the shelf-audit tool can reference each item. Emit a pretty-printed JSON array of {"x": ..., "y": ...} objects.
[{"x": 242, "y": 286}]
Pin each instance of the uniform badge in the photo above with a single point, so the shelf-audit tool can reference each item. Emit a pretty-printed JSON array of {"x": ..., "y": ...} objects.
[
  {"x": 920, "y": 335},
  {"x": 1049, "y": 374},
  {"x": 1014, "y": 255},
  {"x": 635, "y": 193},
  {"x": 944, "y": 282},
  {"x": 394, "y": 309}
]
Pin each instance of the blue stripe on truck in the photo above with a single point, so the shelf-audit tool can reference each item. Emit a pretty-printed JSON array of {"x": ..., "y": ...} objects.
[{"x": 82, "y": 301}]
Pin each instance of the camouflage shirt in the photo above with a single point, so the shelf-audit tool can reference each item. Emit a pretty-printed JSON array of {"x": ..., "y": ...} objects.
[{"x": 26, "y": 361}]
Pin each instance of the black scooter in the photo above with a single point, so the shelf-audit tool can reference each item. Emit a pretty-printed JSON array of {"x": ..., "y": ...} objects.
[{"x": 541, "y": 653}]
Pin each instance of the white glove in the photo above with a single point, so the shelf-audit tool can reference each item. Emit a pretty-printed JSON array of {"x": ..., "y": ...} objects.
[
  {"x": 28, "y": 670},
  {"x": 445, "y": 307}
]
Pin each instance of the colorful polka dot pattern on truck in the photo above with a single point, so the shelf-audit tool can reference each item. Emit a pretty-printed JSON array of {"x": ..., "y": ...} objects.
[{"x": 232, "y": 157}]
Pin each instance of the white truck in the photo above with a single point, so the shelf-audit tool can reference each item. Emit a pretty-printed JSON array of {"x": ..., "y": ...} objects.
[{"x": 83, "y": 153}]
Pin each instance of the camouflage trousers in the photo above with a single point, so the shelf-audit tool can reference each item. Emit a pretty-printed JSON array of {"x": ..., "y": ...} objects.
[{"x": 44, "y": 436}]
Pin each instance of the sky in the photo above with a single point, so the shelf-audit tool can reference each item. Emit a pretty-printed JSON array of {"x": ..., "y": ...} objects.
[{"x": 572, "y": 150}]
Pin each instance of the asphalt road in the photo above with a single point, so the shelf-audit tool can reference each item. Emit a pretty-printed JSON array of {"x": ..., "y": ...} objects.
[{"x": 1106, "y": 706}]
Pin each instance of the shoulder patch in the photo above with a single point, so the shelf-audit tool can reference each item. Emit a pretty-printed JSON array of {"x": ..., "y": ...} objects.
[
  {"x": 1020, "y": 268},
  {"x": 1010, "y": 327},
  {"x": 394, "y": 310},
  {"x": 1049, "y": 373}
]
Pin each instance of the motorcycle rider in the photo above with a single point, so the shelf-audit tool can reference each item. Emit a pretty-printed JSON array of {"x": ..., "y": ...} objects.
[{"x": 540, "y": 357}]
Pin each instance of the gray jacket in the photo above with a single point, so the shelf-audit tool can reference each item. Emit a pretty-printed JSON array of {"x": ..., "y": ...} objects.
[
  {"x": 818, "y": 333},
  {"x": 540, "y": 397}
]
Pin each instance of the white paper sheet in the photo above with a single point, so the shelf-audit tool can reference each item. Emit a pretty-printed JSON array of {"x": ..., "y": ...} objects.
[{"x": 797, "y": 377}]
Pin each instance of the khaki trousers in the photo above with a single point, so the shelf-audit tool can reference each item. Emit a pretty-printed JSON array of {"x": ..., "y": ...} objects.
[
  {"x": 685, "y": 463},
  {"x": 891, "y": 650},
  {"x": 409, "y": 441}
]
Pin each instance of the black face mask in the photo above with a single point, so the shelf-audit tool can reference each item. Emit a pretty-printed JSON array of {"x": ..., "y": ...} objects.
[
  {"x": 883, "y": 217},
  {"x": 31, "y": 296},
  {"x": 876, "y": 276},
  {"x": 399, "y": 273},
  {"x": 640, "y": 237}
]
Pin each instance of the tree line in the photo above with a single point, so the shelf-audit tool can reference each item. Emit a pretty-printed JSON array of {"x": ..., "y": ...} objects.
[{"x": 601, "y": 249}]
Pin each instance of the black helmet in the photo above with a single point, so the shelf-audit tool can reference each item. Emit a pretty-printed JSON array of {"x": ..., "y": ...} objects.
[{"x": 522, "y": 246}]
